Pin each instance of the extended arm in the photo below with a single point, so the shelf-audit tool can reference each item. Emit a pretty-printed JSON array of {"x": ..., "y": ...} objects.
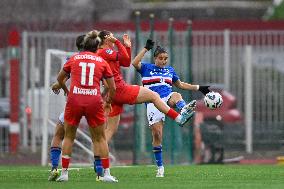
[
  {"x": 186, "y": 86},
  {"x": 137, "y": 60}
]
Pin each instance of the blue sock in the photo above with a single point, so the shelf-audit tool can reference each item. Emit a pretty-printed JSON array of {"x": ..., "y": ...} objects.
[
  {"x": 98, "y": 166},
  {"x": 180, "y": 104},
  {"x": 54, "y": 156},
  {"x": 158, "y": 155}
]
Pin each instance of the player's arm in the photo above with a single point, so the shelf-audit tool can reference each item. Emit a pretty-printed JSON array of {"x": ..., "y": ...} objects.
[
  {"x": 56, "y": 87},
  {"x": 60, "y": 79},
  {"x": 121, "y": 55},
  {"x": 111, "y": 89},
  {"x": 106, "y": 88},
  {"x": 137, "y": 60},
  {"x": 187, "y": 86},
  {"x": 127, "y": 45}
]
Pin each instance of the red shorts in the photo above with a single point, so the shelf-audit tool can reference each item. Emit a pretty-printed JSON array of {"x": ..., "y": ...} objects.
[
  {"x": 125, "y": 94},
  {"x": 91, "y": 108}
]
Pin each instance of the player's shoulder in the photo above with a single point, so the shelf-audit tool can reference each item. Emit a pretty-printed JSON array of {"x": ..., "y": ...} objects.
[
  {"x": 147, "y": 65},
  {"x": 106, "y": 51}
]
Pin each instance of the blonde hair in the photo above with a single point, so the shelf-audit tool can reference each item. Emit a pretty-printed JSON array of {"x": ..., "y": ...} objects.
[{"x": 92, "y": 41}]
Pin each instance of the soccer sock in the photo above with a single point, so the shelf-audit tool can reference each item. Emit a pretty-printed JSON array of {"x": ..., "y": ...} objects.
[
  {"x": 98, "y": 166},
  {"x": 65, "y": 159},
  {"x": 54, "y": 156},
  {"x": 172, "y": 114},
  {"x": 180, "y": 104},
  {"x": 158, "y": 155},
  {"x": 105, "y": 162}
]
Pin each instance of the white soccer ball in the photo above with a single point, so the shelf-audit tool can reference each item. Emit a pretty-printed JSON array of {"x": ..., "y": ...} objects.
[{"x": 213, "y": 100}]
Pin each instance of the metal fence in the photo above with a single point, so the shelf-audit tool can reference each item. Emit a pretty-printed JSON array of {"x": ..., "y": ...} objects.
[{"x": 217, "y": 57}]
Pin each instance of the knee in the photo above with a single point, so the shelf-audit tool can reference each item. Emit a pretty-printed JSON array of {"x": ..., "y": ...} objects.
[
  {"x": 98, "y": 137},
  {"x": 176, "y": 96}
]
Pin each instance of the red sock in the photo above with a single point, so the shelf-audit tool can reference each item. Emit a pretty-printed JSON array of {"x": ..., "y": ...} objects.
[
  {"x": 65, "y": 162},
  {"x": 172, "y": 114},
  {"x": 105, "y": 162}
]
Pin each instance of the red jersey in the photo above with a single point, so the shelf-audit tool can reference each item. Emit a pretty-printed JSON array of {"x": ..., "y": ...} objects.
[
  {"x": 115, "y": 59},
  {"x": 86, "y": 70}
]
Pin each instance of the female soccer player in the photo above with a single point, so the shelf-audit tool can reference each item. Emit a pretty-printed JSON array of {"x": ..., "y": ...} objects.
[
  {"x": 84, "y": 99},
  {"x": 55, "y": 148},
  {"x": 159, "y": 78},
  {"x": 131, "y": 94}
]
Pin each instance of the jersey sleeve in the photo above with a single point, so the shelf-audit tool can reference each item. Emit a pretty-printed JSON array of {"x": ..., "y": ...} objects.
[
  {"x": 143, "y": 68},
  {"x": 67, "y": 66},
  {"x": 109, "y": 55},
  {"x": 107, "y": 72},
  {"x": 123, "y": 54},
  {"x": 175, "y": 76}
]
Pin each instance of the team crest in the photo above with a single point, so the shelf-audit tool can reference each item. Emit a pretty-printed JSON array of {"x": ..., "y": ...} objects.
[{"x": 109, "y": 51}]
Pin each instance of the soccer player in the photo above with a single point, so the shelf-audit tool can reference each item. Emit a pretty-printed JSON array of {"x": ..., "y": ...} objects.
[
  {"x": 160, "y": 78},
  {"x": 131, "y": 94},
  {"x": 84, "y": 99},
  {"x": 55, "y": 149}
]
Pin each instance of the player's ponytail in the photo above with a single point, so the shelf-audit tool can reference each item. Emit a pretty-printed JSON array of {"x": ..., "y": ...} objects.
[{"x": 92, "y": 41}]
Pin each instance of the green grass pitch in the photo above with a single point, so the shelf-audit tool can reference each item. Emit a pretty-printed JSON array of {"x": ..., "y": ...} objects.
[{"x": 194, "y": 176}]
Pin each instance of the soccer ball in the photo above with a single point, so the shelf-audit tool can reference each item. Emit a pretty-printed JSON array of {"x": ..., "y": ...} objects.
[{"x": 213, "y": 100}]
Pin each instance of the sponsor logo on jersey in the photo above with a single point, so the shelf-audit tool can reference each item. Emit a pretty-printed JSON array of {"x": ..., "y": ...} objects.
[
  {"x": 109, "y": 51},
  {"x": 89, "y": 57},
  {"x": 77, "y": 90}
]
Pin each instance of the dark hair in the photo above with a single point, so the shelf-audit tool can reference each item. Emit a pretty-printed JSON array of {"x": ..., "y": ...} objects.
[
  {"x": 80, "y": 42},
  {"x": 159, "y": 50},
  {"x": 103, "y": 35},
  {"x": 92, "y": 41}
]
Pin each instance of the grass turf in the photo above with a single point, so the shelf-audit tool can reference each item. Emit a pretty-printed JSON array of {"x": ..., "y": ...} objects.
[{"x": 195, "y": 176}]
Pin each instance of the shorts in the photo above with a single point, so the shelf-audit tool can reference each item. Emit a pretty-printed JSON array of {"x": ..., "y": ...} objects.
[
  {"x": 126, "y": 94},
  {"x": 91, "y": 108},
  {"x": 61, "y": 118},
  {"x": 153, "y": 114}
]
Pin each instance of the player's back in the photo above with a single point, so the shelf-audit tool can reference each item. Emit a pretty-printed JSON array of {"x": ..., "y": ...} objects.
[{"x": 86, "y": 69}]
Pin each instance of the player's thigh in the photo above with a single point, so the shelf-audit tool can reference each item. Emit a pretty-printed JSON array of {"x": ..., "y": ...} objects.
[
  {"x": 154, "y": 115},
  {"x": 146, "y": 95}
]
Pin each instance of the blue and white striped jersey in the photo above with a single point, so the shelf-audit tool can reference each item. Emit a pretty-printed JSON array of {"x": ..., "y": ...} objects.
[{"x": 158, "y": 79}]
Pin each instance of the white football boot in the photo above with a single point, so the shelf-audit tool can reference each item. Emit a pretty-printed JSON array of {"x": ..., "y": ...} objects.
[
  {"x": 160, "y": 172},
  {"x": 107, "y": 177},
  {"x": 63, "y": 177}
]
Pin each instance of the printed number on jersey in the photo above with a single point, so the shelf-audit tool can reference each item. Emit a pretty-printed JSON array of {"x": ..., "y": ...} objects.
[{"x": 86, "y": 66}]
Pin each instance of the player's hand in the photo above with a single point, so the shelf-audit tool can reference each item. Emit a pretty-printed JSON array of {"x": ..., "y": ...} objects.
[
  {"x": 107, "y": 108},
  {"x": 110, "y": 38},
  {"x": 56, "y": 88},
  {"x": 66, "y": 92},
  {"x": 204, "y": 89},
  {"x": 126, "y": 40},
  {"x": 149, "y": 44}
]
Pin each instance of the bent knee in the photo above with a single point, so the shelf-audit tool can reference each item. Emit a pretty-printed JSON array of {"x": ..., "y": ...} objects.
[{"x": 176, "y": 96}]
